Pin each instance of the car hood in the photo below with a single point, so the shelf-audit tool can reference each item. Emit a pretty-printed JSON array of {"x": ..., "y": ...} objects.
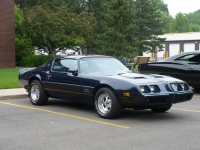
[{"x": 138, "y": 78}]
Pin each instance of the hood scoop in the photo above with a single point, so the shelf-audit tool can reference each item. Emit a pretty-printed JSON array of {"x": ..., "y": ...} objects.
[
  {"x": 157, "y": 76},
  {"x": 137, "y": 77}
]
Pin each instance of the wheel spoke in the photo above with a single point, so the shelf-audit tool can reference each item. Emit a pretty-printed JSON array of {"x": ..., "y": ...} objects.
[
  {"x": 104, "y": 103},
  {"x": 35, "y": 93}
]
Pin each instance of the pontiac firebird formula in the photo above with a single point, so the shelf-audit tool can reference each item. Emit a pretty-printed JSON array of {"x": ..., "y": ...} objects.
[{"x": 104, "y": 82}]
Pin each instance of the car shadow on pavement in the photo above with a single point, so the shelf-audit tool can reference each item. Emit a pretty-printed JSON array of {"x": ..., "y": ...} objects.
[
  {"x": 70, "y": 104},
  {"x": 148, "y": 115},
  {"x": 126, "y": 114}
]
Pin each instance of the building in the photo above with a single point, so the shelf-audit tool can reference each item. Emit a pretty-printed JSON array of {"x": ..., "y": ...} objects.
[
  {"x": 7, "y": 34},
  {"x": 178, "y": 42}
]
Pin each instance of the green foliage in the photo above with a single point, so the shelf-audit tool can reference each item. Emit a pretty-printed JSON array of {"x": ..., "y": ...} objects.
[
  {"x": 195, "y": 19},
  {"x": 51, "y": 30},
  {"x": 23, "y": 44},
  {"x": 179, "y": 24},
  {"x": 118, "y": 39},
  {"x": 97, "y": 9},
  {"x": 194, "y": 28},
  {"x": 164, "y": 12},
  {"x": 23, "y": 48},
  {"x": 193, "y": 15},
  {"x": 166, "y": 19},
  {"x": 149, "y": 25},
  {"x": 18, "y": 18},
  {"x": 161, "y": 5},
  {"x": 75, "y": 6},
  {"x": 35, "y": 60}
]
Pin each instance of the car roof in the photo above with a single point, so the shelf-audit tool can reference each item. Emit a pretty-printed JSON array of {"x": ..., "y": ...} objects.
[
  {"x": 179, "y": 55},
  {"x": 83, "y": 56}
]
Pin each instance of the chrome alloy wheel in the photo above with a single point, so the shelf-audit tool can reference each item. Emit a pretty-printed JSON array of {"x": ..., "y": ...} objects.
[
  {"x": 35, "y": 93},
  {"x": 104, "y": 103}
]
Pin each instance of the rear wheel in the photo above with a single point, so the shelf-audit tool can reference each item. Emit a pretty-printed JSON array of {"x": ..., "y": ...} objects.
[
  {"x": 37, "y": 94},
  {"x": 160, "y": 110},
  {"x": 107, "y": 104}
]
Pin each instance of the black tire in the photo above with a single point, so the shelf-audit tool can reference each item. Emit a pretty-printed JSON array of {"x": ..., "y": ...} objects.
[
  {"x": 160, "y": 110},
  {"x": 107, "y": 104},
  {"x": 37, "y": 94}
]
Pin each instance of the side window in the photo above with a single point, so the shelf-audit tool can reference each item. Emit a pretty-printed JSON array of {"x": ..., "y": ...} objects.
[
  {"x": 191, "y": 58},
  {"x": 63, "y": 65},
  {"x": 57, "y": 66}
]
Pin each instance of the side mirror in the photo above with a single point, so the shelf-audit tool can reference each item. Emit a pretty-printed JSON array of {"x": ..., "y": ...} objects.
[{"x": 73, "y": 71}]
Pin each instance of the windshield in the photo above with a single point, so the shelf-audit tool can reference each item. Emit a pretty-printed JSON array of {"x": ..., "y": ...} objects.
[{"x": 90, "y": 65}]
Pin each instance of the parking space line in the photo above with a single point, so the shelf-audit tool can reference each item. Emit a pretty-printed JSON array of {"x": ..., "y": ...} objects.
[
  {"x": 67, "y": 115},
  {"x": 196, "y": 111}
]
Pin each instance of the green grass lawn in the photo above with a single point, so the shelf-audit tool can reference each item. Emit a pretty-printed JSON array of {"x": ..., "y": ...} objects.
[{"x": 9, "y": 78}]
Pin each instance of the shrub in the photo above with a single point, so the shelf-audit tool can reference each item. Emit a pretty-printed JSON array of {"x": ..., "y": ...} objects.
[
  {"x": 35, "y": 60},
  {"x": 23, "y": 49}
]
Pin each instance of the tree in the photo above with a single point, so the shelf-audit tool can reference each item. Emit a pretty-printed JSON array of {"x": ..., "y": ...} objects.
[
  {"x": 76, "y": 6},
  {"x": 23, "y": 44},
  {"x": 194, "y": 27},
  {"x": 161, "y": 5},
  {"x": 118, "y": 39},
  {"x": 195, "y": 19},
  {"x": 51, "y": 30},
  {"x": 191, "y": 16},
  {"x": 164, "y": 12},
  {"x": 166, "y": 19},
  {"x": 179, "y": 24},
  {"x": 149, "y": 26},
  {"x": 97, "y": 9}
]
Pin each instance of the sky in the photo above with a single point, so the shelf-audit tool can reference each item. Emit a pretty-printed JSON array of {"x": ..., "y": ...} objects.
[{"x": 183, "y": 6}]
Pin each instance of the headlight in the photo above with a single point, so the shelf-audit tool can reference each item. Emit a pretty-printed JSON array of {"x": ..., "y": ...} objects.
[
  {"x": 145, "y": 89},
  {"x": 154, "y": 88},
  {"x": 169, "y": 87},
  {"x": 184, "y": 86},
  {"x": 176, "y": 87}
]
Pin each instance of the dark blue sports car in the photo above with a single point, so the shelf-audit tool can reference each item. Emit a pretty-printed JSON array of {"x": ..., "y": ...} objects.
[{"x": 104, "y": 82}]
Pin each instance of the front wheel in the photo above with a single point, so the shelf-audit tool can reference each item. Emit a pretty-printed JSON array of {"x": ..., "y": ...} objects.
[
  {"x": 107, "y": 104},
  {"x": 37, "y": 94},
  {"x": 160, "y": 110}
]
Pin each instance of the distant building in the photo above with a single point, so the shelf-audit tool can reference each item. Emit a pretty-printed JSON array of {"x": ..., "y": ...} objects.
[
  {"x": 179, "y": 42},
  {"x": 7, "y": 34}
]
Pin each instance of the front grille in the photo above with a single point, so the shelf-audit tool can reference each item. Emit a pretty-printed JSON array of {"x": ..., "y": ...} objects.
[{"x": 157, "y": 99}]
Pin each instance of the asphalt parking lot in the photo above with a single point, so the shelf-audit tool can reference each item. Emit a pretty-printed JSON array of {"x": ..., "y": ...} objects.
[{"x": 71, "y": 126}]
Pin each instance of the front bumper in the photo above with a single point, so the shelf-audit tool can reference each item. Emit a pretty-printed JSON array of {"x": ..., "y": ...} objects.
[{"x": 159, "y": 100}]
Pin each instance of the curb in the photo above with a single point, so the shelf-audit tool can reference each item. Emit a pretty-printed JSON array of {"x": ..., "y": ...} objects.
[{"x": 13, "y": 97}]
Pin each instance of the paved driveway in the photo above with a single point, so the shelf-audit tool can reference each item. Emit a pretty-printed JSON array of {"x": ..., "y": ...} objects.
[{"x": 63, "y": 125}]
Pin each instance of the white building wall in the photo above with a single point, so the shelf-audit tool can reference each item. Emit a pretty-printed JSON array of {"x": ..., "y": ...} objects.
[
  {"x": 161, "y": 53},
  {"x": 146, "y": 54}
]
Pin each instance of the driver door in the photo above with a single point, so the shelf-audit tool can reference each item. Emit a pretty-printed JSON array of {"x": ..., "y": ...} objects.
[{"x": 60, "y": 83}]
